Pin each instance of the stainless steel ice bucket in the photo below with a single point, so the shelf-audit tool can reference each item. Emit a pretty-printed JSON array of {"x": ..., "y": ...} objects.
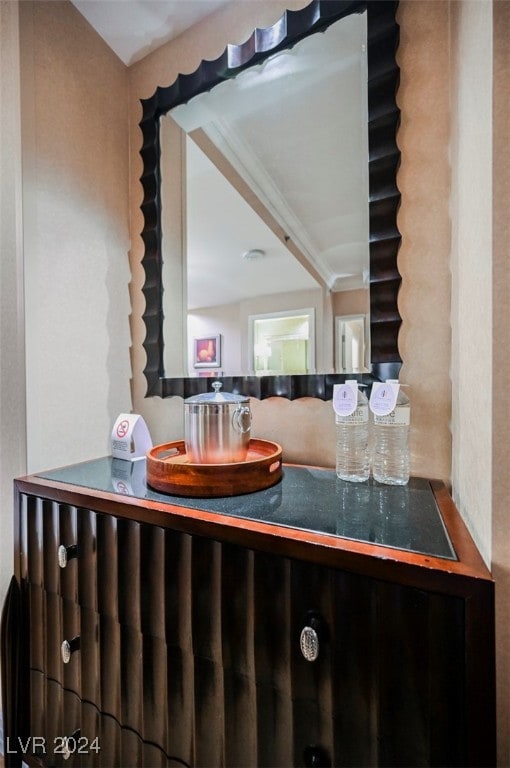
[{"x": 217, "y": 427}]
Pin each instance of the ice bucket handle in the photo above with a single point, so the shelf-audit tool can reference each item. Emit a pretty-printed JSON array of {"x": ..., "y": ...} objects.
[{"x": 241, "y": 419}]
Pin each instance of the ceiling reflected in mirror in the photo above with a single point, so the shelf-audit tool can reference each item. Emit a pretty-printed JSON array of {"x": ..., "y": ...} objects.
[{"x": 232, "y": 254}]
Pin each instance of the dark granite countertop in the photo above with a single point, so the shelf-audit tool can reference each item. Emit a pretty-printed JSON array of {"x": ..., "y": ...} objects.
[{"x": 306, "y": 498}]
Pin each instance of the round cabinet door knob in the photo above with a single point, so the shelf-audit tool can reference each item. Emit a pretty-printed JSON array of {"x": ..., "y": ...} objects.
[
  {"x": 68, "y": 647},
  {"x": 312, "y": 634},
  {"x": 309, "y": 643},
  {"x": 66, "y": 553}
]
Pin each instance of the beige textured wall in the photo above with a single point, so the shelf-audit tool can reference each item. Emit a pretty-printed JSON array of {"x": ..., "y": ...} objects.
[
  {"x": 351, "y": 302},
  {"x": 501, "y": 367},
  {"x": 424, "y": 181},
  {"x": 76, "y": 235},
  {"x": 305, "y": 427},
  {"x": 471, "y": 210},
  {"x": 12, "y": 359}
]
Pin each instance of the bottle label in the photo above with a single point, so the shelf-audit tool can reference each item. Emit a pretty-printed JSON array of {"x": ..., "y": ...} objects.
[
  {"x": 345, "y": 398},
  {"x": 360, "y": 416},
  {"x": 400, "y": 417},
  {"x": 383, "y": 398}
]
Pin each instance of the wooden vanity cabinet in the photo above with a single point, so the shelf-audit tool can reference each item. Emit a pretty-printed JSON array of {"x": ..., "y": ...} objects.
[{"x": 184, "y": 631}]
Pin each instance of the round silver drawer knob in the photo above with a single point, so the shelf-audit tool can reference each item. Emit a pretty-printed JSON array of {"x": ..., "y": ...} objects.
[
  {"x": 65, "y": 554},
  {"x": 68, "y": 647},
  {"x": 309, "y": 643}
]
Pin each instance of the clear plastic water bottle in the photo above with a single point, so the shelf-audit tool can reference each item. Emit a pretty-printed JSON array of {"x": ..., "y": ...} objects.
[
  {"x": 351, "y": 418},
  {"x": 390, "y": 459}
]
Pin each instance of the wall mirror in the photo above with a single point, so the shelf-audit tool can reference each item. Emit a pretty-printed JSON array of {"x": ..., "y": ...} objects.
[{"x": 281, "y": 132}]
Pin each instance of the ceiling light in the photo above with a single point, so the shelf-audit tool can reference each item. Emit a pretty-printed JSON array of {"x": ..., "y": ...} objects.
[{"x": 253, "y": 253}]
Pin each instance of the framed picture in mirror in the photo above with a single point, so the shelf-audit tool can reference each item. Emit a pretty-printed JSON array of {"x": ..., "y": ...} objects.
[{"x": 207, "y": 351}]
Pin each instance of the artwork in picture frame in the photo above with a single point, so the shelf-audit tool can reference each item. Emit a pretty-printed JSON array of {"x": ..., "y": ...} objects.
[{"x": 207, "y": 351}]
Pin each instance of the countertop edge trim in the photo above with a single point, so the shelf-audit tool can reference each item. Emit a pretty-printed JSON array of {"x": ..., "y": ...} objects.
[{"x": 462, "y": 577}]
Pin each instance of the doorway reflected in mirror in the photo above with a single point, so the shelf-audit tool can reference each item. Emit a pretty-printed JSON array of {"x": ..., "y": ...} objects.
[
  {"x": 282, "y": 343},
  {"x": 352, "y": 352}
]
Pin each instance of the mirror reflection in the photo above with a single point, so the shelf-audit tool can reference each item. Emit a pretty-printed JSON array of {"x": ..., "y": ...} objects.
[
  {"x": 352, "y": 348},
  {"x": 282, "y": 343},
  {"x": 264, "y": 196}
]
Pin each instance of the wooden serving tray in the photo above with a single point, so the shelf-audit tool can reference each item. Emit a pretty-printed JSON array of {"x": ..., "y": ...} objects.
[{"x": 170, "y": 471}]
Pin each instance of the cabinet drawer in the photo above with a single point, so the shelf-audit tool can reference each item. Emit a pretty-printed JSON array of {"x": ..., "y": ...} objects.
[
  {"x": 66, "y": 731},
  {"x": 67, "y": 651},
  {"x": 110, "y": 566},
  {"x": 387, "y": 686}
]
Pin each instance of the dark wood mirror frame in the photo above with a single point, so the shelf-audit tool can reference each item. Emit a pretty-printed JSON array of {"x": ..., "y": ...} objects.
[{"x": 384, "y": 196}]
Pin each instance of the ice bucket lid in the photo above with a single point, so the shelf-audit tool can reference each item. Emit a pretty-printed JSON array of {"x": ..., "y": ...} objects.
[{"x": 216, "y": 397}]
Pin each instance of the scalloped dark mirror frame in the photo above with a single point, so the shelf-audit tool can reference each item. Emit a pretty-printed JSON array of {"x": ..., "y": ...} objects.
[{"x": 384, "y": 196}]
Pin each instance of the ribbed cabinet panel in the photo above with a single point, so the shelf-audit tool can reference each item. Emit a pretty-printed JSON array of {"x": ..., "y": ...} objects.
[
  {"x": 129, "y": 617},
  {"x": 421, "y": 713},
  {"x": 238, "y": 656},
  {"x": 66, "y": 518},
  {"x": 129, "y": 567},
  {"x": 353, "y": 670},
  {"x": 107, "y": 566},
  {"x": 272, "y": 646},
  {"x": 312, "y": 704},
  {"x": 189, "y": 652},
  {"x": 33, "y": 539},
  {"x": 176, "y": 691},
  {"x": 207, "y": 652},
  {"x": 86, "y": 562}
]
